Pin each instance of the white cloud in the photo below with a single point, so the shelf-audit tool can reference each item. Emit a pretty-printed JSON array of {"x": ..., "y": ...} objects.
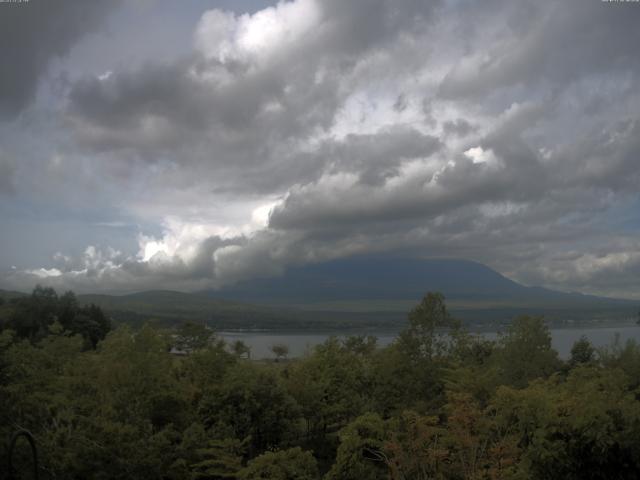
[
  {"x": 257, "y": 37},
  {"x": 480, "y": 156},
  {"x": 313, "y": 129},
  {"x": 44, "y": 272}
]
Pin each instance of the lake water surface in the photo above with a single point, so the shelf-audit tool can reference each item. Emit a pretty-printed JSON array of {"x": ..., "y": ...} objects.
[{"x": 300, "y": 343}]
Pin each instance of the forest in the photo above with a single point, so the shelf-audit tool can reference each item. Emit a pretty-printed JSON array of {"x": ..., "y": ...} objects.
[{"x": 438, "y": 403}]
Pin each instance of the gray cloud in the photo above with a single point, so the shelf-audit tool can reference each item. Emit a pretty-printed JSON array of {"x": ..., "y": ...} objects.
[
  {"x": 7, "y": 172},
  {"x": 245, "y": 112},
  {"x": 506, "y": 133},
  {"x": 32, "y": 34},
  {"x": 553, "y": 44},
  {"x": 459, "y": 127}
]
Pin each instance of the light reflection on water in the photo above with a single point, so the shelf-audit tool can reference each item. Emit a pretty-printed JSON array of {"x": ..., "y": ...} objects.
[{"x": 300, "y": 343}]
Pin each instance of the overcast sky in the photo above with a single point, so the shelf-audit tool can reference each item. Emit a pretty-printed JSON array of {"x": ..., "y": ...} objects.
[{"x": 187, "y": 145}]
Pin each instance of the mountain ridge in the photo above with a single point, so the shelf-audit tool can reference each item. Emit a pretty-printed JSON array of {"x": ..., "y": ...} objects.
[
  {"x": 403, "y": 279},
  {"x": 359, "y": 291}
]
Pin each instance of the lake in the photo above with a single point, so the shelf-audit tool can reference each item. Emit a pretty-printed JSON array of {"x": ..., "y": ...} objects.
[{"x": 300, "y": 343}]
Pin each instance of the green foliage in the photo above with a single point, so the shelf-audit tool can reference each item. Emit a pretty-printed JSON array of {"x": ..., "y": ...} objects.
[
  {"x": 525, "y": 352},
  {"x": 410, "y": 372},
  {"x": 625, "y": 357},
  {"x": 280, "y": 350},
  {"x": 202, "y": 371},
  {"x": 425, "y": 407},
  {"x": 292, "y": 464},
  {"x": 422, "y": 339},
  {"x": 250, "y": 402},
  {"x": 582, "y": 352},
  {"x": 200, "y": 455},
  {"x": 241, "y": 349},
  {"x": 192, "y": 337},
  {"x": 33, "y": 316},
  {"x": 417, "y": 448},
  {"x": 579, "y": 429},
  {"x": 478, "y": 447},
  {"x": 330, "y": 386},
  {"x": 399, "y": 383},
  {"x": 360, "y": 344},
  {"x": 360, "y": 454}
]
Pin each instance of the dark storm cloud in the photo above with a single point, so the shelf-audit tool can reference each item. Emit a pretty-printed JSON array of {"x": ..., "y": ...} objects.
[
  {"x": 359, "y": 26},
  {"x": 606, "y": 159},
  {"x": 240, "y": 113},
  {"x": 459, "y": 127},
  {"x": 120, "y": 109},
  {"x": 238, "y": 127},
  {"x": 549, "y": 43},
  {"x": 375, "y": 157},
  {"x": 505, "y": 132},
  {"x": 511, "y": 171},
  {"x": 6, "y": 176},
  {"x": 32, "y": 34}
]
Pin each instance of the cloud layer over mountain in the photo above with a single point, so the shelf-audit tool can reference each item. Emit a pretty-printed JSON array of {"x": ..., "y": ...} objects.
[{"x": 503, "y": 132}]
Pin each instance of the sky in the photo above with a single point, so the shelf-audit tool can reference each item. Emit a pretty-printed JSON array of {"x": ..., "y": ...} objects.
[{"x": 189, "y": 145}]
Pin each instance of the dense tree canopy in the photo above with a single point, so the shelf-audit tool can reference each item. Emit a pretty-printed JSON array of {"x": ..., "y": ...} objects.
[
  {"x": 35, "y": 316},
  {"x": 438, "y": 403}
]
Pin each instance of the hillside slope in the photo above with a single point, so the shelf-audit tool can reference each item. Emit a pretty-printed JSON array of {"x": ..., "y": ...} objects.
[
  {"x": 360, "y": 291},
  {"x": 391, "y": 286},
  {"x": 394, "y": 279}
]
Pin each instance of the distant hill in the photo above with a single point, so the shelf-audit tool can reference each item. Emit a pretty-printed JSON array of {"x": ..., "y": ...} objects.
[
  {"x": 10, "y": 294},
  {"x": 360, "y": 292},
  {"x": 395, "y": 279},
  {"x": 369, "y": 284},
  {"x": 166, "y": 307}
]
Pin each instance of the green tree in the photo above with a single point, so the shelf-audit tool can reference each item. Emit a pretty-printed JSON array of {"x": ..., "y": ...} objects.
[
  {"x": 202, "y": 455},
  {"x": 204, "y": 370},
  {"x": 280, "y": 350},
  {"x": 417, "y": 448},
  {"x": 582, "y": 352},
  {"x": 192, "y": 336},
  {"x": 68, "y": 308},
  {"x": 581, "y": 428},
  {"x": 241, "y": 349},
  {"x": 471, "y": 370},
  {"x": 132, "y": 373},
  {"x": 624, "y": 357},
  {"x": 361, "y": 451},
  {"x": 524, "y": 352},
  {"x": 424, "y": 338},
  {"x": 32, "y": 315},
  {"x": 478, "y": 449},
  {"x": 360, "y": 344},
  {"x": 250, "y": 401},
  {"x": 91, "y": 323},
  {"x": 291, "y": 464},
  {"x": 330, "y": 386},
  {"x": 409, "y": 374}
]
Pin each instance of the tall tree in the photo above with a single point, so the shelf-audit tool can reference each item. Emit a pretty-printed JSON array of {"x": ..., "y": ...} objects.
[
  {"x": 291, "y": 464},
  {"x": 423, "y": 338},
  {"x": 525, "y": 352}
]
